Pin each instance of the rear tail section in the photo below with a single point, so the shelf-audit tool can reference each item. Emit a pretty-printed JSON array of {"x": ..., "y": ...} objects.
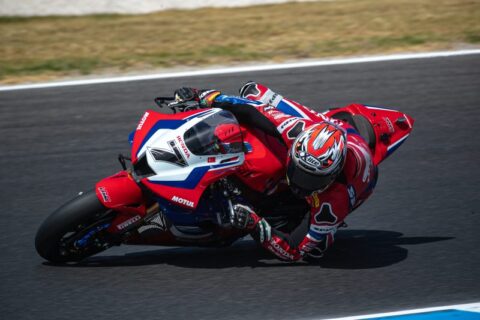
[{"x": 383, "y": 129}]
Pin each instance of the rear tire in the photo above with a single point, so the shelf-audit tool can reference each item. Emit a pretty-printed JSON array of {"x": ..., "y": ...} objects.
[{"x": 54, "y": 239}]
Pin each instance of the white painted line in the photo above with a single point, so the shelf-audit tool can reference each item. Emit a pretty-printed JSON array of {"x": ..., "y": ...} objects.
[
  {"x": 265, "y": 67},
  {"x": 473, "y": 307}
]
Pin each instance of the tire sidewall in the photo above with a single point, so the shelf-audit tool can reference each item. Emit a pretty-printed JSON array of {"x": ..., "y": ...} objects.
[{"x": 77, "y": 211}]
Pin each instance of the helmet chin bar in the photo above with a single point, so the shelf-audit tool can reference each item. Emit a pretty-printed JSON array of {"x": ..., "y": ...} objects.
[
  {"x": 303, "y": 183},
  {"x": 299, "y": 192},
  {"x": 302, "y": 193}
]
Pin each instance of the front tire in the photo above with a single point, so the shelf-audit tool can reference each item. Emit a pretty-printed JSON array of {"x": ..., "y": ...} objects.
[{"x": 74, "y": 231}]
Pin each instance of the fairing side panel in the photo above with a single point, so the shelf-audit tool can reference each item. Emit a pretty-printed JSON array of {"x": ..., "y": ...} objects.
[
  {"x": 187, "y": 194},
  {"x": 118, "y": 191},
  {"x": 264, "y": 165},
  {"x": 122, "y": 194}
]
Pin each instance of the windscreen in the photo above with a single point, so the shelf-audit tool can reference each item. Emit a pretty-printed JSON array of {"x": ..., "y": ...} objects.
[{"x": 217, "y": 134}]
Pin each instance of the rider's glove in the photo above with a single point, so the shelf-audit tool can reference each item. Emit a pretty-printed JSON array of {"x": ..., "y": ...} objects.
[
  {"x": 186, "y": 94},
  {"x": 205, "y": 98},
  {"x": 243, "y": 217}
]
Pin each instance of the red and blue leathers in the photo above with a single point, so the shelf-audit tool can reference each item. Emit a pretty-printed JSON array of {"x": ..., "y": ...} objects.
[{"x": 286, "y": 119}]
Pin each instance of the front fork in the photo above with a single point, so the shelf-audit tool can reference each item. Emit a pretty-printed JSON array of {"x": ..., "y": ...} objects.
[{"x": 123, "y": 194}]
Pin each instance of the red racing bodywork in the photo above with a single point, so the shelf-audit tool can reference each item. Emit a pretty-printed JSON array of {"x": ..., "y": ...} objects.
[
  {"x": 391, "y": 127},
  {"x": 186, "y": 198},
  {"x": 264, "y": 168},
  {"x": 122, "y": 194}
]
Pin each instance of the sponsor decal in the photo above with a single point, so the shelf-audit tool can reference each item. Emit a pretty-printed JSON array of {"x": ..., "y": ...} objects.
[
  {"x": 104, "y": 194},
  {"x": 128, "y": 222},
  {"x": 275, "y": 247},
  {"x": 185, "y": 202},
  {"x": 142, "y": 121},
  {"x": 280, "y": 115},
  {"x": 311, "y": 160},
  {"x": 272, "y": 99},
  {"x": 183, "y": 146},
  {"x": 282, "y": 126},
  {"x": 389, "y": 124},
  {"x": 323, "y": 229},
  {"x": 352, "y": 195}
]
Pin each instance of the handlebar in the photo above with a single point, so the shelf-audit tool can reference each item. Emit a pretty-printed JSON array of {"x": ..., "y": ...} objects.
[{"x": 174, "y": 105}]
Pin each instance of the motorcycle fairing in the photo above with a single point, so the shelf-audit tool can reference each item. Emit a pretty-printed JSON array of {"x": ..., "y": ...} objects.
[
  {"x": 390, "y": 127},
  {"x": 264, "y": 165},
  {"x": 187, "y": 193},
  {"x": 119, "y": 190},
  {"x": 153, "y": 121},
  {"x": 179, "y": 174},
  {"x": 121, "y": 193}
]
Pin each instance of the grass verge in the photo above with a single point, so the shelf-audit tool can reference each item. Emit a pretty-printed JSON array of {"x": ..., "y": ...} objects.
[{"x": 38, "y": 49}]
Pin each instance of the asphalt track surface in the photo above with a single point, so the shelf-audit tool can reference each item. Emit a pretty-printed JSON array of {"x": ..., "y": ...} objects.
[{"x": 414, "y": 244}]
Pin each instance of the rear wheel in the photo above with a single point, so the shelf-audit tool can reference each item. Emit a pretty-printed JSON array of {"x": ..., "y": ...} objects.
[{"x": 75, "y": 231}]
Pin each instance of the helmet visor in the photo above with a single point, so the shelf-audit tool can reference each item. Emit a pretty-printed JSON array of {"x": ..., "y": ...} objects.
[{"x": 307, "y": 182}]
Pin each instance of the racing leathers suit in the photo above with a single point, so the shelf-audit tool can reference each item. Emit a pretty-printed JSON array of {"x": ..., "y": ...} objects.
[{"x": 258, "y": 106}]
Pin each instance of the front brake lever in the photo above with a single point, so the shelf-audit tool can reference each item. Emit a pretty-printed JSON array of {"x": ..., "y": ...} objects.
[
  {"x": 162, "y": 101},
  {"x": 176, "y": 105},
  {"x": 184, "y": 106}
]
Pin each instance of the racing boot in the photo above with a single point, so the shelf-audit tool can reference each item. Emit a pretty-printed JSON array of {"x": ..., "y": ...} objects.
[{"x": 258, "y": 92}]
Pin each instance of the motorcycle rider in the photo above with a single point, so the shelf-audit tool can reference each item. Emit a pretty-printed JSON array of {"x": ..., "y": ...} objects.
[{"x": 328, "y": 163}]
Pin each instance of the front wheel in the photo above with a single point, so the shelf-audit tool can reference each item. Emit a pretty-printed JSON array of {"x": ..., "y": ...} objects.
[{"x": 75, "y": 231}]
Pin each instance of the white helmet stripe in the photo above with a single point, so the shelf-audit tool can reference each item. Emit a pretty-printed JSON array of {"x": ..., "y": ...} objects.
[{"x": 322, "y": 137}]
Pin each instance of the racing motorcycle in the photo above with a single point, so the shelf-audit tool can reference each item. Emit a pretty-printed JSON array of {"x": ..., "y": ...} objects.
[{"x": 186, "y": 170}]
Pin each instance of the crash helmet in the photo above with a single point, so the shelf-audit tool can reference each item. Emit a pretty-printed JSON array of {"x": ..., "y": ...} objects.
[{"x": 316, "y": 158}]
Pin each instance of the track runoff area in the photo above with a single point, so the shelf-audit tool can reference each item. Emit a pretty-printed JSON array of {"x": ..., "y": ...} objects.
[
  {"x": 469, "y": 311},
  {"x": 250, "y": 68}
]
